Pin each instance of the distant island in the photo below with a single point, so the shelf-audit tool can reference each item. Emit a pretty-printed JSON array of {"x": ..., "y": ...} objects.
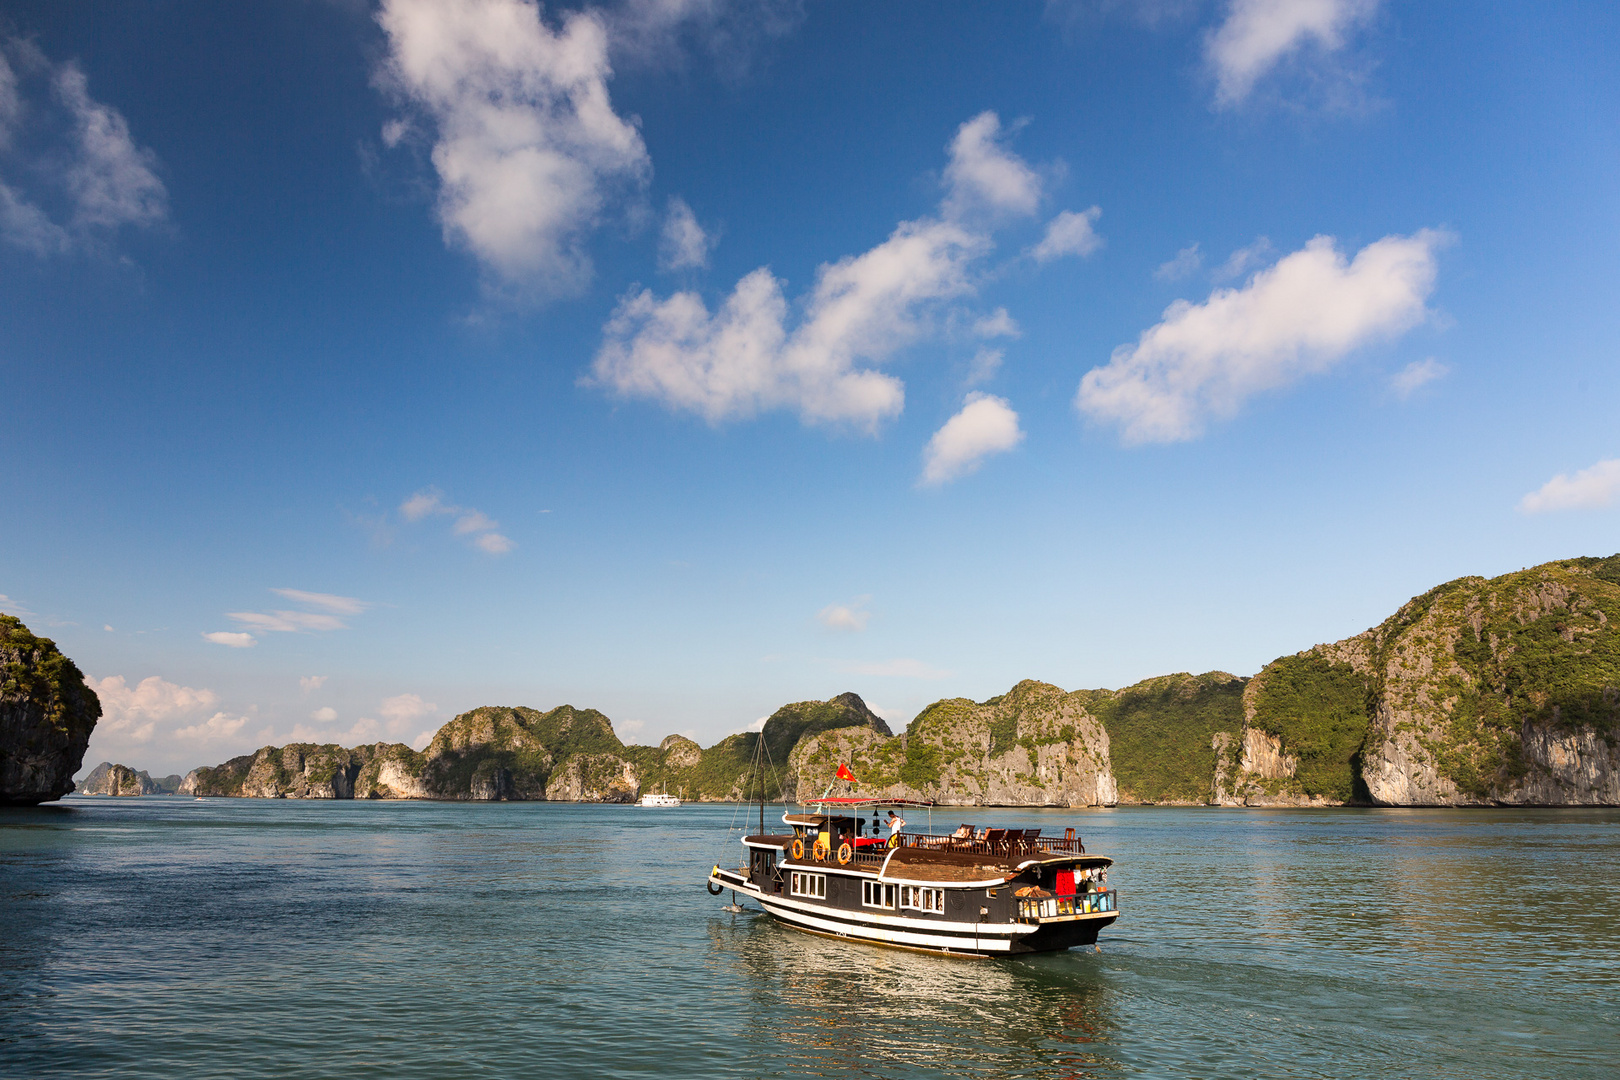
[{"x": 1477, "y": 693}]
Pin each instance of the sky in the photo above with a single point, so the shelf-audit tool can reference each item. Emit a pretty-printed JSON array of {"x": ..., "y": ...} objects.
[{"x": 363, "y": 363}]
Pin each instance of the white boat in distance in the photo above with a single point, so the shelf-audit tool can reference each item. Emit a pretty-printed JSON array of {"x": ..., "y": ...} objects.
[{"x": 658, "y": 798}]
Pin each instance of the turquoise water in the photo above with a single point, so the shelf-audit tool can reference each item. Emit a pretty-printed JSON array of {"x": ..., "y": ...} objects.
[{"x": 248, "y": 938}]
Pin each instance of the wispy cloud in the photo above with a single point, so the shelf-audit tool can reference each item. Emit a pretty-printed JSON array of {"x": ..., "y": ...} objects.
[
  {"x": 851, "y": 617},
  {"x": 1591, "y": 488},
  {"x": 1257, "y": 36},
  {"x": 310, "y": 683},
  {"x": 1417, "y": 374},
  {"x": 1298, "y": 318},
  {"x": 746, "y": 358},
  {"x": 683, "y": 244},
  {"x": 897, "y": 669},
  {"x": 985, "y": 425},
  {"x": 11, "y": 606},
  {"x": 231, "y": 639},
  {"x": 338, "y": 605},
  {"x": 477, "y": 527},
  {"x": 997, "y": 324},
  {"x": 287, "y": 622},
  {"x": 1244, "y": 259},
  {"x": 1069, "y": 233},
  {"x": 325, "y": 714},
  {"x": 90, "y": 164},
  {"x": 326, "y": 618},
  {"x": 1186, "y": 263}
]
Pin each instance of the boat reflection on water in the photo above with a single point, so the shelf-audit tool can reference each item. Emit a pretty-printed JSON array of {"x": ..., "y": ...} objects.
[{"x": 839, "y": 1007}]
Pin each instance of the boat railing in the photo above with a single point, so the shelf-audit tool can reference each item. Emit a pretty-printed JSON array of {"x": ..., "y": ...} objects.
[
  {"x": 1000, "y": 842},
  {"x": 1034, "y": 909}
]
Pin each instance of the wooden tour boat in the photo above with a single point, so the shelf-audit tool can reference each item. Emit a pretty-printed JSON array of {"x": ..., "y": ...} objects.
[{"x": 988, "y": 892}]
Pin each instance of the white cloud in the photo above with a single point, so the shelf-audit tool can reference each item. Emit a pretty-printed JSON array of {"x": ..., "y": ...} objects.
[
  {"x": 997, "y": 324},
  {"x": 986, "y": 425},
  {"x": 216, "y": 727},
  {"x": 898, "y": 669},
  {"x": 683, "y": 243},
  {"x": 25, "y": 225},
  {"x": 363, "y": 730},
  {"x": 112, "y": 180},
  {"x": 406, "y": 707},
  {"x": 986, "y": 362},
  {"x": 338, "y": 605},
  {"x": 1257, "y": 35},
  {"x": 422, "y": 739},
  {"x": 474, "y": 521},
  {"x": 744, "y": 359},
  {"x": 1417, "y": 374},
  {"x": 86, "y": 154},
  {"x": 402, "y": 711},
  {"x": 325, "y": 714},
  {"x": 528, "y": 148},
  {"x": 309, "y": 683},
  {"x": 232, "y": 639},
  {"x": 14, "y": 607},
  {"x": 1069, "y": 234},
  {"x": 852, "y": 616},
  {"x": 108, "y": 627},
  {"x": 984, "y": 175},
  {"x": 425, "y": 502},
  {"x": 1590, "y": 489},
  {"x": 1244, "y": 259},
  {"x": 474, "y": 524},
  {"x": 1297, "y": 318},
  {"x": 286, "y": 622},
  {"x": 757, "y": 725},
  {"x": 1184, "y": 265},
  {"x": 653, "y": 31},
  {"x": 131, "y": 713}
]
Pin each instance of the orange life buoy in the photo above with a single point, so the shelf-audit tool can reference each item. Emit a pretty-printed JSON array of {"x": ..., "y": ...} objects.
[
  {"x": 819, "y": 852},
  {"x": 798, "y": 848},
  {"x": 845, "y": 853}
]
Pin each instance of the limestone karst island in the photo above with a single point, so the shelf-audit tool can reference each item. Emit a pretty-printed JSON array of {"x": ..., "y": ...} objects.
[{"x": 1479, "y": 692}]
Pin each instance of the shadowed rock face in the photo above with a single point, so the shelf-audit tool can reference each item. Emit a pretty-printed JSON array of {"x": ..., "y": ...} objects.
[{"x": 46, "y": 716}]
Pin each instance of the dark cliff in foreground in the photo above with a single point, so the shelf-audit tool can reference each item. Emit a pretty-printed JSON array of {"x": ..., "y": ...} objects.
[
  {"x": 1478, "y": 692},
  {"x": 46, "y": 716}
]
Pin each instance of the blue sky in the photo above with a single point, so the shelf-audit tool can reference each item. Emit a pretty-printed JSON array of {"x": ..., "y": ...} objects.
[{"x": 363, "y": 363}]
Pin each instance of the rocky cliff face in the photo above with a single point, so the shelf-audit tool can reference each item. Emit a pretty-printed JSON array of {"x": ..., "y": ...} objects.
[
  {"x": 1034, "y": 746},
  {"x": 46, "y": 716},
  {"x": 1479, "y": 692},
  {"x": 491, "y": 753},
  {"x": 110, "y": 779}
]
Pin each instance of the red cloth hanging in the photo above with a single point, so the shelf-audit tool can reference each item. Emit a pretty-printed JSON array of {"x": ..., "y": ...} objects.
[{"x": 1065, "y": 883}]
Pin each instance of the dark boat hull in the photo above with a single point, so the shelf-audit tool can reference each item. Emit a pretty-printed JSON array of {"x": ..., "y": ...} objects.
[{"x": 936, "y": 935}]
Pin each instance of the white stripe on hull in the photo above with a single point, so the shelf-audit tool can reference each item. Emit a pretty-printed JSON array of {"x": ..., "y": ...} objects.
[{"x": 988, "y": 941}]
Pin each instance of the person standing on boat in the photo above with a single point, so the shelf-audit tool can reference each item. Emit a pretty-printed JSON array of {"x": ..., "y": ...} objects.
[{"x": 896, "y": 823}]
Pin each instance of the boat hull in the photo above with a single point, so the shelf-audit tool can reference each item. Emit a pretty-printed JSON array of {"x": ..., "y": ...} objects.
[{"x": 953, "y": 938}]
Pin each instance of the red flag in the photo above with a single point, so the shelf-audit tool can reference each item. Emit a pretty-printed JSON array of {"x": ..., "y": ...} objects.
[{"x": 844, "y": 773}]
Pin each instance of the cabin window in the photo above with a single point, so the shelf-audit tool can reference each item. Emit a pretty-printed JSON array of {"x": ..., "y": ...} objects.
[
  {"x": 877, "y": 894},
  {"x": 809, "y": 885},
  {"x": 922, "y": 899}
]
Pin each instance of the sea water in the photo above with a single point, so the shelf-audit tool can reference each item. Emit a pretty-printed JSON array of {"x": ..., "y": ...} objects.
[{"x": 248, "y": 938}]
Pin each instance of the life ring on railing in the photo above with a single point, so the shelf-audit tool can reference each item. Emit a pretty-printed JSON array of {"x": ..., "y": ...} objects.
[
  {"x": 715, "y": 887},
  {"x": 798, "y": 848},
  {"x": 845, "y": 853},
  {"x": 819, "y": 852}
]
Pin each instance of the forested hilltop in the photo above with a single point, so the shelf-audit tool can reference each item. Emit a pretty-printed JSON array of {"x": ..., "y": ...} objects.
[{"x": 1478, "y": 692}]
